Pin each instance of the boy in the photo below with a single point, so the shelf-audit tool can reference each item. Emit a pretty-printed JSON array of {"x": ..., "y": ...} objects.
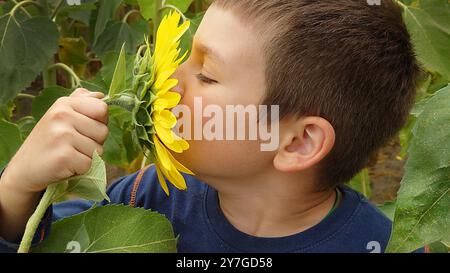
[{"x": 343, "y": 74}]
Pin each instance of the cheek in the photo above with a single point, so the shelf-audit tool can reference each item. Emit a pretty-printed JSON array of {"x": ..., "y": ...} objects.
[{"x": 225, "y": 158}]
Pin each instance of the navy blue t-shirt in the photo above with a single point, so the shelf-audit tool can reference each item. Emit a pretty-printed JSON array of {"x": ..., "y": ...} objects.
[{"x": 354, "y": 226}]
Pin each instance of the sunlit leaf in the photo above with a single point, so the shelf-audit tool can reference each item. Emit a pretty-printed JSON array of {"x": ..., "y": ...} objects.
[
  {"x": 429, "y": 25},
  {"x": 111, "y": 229},
  {"x": 422, "y": 215}
]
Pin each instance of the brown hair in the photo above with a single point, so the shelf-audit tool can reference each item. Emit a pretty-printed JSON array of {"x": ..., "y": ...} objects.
[{"x": 344, "y": 60}]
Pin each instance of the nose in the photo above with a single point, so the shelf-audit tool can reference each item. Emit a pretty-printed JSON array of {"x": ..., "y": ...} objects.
[{"x": 179, "y": 87}]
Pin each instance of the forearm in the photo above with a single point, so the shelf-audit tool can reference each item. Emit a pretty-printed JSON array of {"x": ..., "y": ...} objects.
[{"x": 16, "y": 207}]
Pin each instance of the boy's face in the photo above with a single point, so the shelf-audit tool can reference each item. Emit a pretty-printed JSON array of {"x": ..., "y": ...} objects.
[{"x": 226, "y": 67}]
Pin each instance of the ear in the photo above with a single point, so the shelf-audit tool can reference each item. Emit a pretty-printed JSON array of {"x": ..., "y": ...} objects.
[{"x": 304, "y": 145}]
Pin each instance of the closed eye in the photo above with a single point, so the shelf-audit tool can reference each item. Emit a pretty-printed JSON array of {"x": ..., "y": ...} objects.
[{"x": 205, "y": 79}]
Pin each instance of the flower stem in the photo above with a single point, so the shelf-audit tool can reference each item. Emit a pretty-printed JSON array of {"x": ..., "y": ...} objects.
[
  {"x": 23, "y": 9},
  {"x": 36, "y": 218},
  {"x": 57, "y": 7},
  {"x": 175, "y": 9},
  {"x": 125, "y": 18},
  {"x": 124, "y": 101},
  {"x": 25, "y": 96},
  {"x": 70, "y": 72},
  {"x": 21, "y": 4}
]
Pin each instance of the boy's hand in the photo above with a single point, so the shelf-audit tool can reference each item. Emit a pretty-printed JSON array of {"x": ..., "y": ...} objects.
[
  {"x": 60, "y": 146},
  {"x": 62, "y": 143}
]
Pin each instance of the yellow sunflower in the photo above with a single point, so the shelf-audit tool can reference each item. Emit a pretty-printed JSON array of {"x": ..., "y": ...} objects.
[{"x": 153, "y": 119}]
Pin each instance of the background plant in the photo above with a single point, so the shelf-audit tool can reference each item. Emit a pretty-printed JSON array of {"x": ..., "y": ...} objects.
[{"x": 47, "y": 48}]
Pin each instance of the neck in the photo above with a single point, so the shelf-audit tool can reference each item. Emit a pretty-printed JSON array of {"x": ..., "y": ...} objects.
[{"x": 266, "y": 206}]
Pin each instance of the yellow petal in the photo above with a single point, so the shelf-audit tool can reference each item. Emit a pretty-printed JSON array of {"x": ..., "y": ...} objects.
[
  {"x": 162, "y": 154},
  {"x": 172, "y": 99},
  {"x": 166, "y": 87},
  {"x": 161, "y": 179},
  {"x": 166, "y": 119},
  {"x": 180, "y": 166},
  {"x": 166, "y": 135},
  {"x": 179, "y": 145},
  {"x": 175, "y": 178},
  {"x": 162, "y": 78},
  {"x": 159, "y": 105}
]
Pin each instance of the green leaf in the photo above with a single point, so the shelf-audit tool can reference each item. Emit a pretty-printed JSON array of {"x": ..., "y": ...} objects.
[
  {"x": 186, "y": 40},
  {"x": 46, "y": 98},
  {"x": 81, "y": 13},
  {"x": 10, "y": 141},
  {"x": 119, "y": 80},
  {"x": 422, "y": 215},
  {"x": 26, "y": 125},
  {"x": 429, "y": 25},
  {"x": 106, "y": 12},
  {"x": 438, "y": 247},
  {"x": 182, "y": 5},
  {"x": 115, "y": 35},
  {"x": 25, "y": 49},
  {"x": 361, "y": 183},
  {"x": 147, "y": 8},
  {"x": 120, "y": 150},
  {"x": 98, "y": 86},
  {"x": 6, "y": 110},
  {"x": 90, "y": 186},
  {"x": 111, "y": 229},
  {"x": 388, "y": 208},
  {"x": 72, "y": 51}
]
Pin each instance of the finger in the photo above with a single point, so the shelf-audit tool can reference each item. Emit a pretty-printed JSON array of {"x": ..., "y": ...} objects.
[
  {"x": 90, "y": 128},
  {"x": 79, "y": 92},
  {"x": 86, "y": 145},
  {"x": 81, "y": 163},
  {"x": 91, "y": 107},
  {"x": 83, "y": 92},
  {"x": 97, "y": 95}
]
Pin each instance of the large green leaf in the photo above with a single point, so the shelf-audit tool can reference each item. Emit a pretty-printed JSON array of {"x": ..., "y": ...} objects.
[
  {"x": 429, "y": 25},
  {"x": 388, "y": 208},
  {"x": 10, "y": 141},
  {"x": 115, "y": 35},
  {"x": 46, "y": 98},
  {"x": 25, "y": 49},
  {"x": 422, "y": 215},
  {"x": 111, "y": 229}
]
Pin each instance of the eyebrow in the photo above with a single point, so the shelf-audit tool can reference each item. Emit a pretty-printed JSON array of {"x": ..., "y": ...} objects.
[{"x": 210, "y": 52}]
